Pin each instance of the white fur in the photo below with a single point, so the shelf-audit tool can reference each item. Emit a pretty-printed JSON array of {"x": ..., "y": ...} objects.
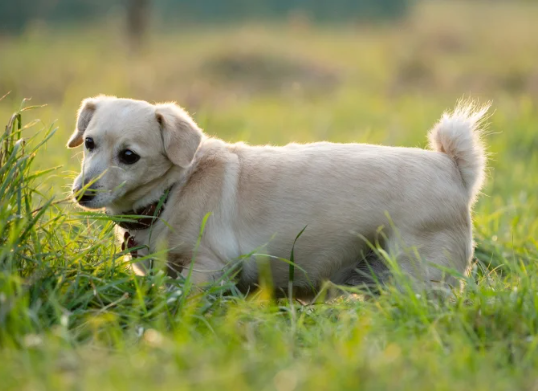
[
  {"x": 261, "y": 197},
  {"x": 458, "y": 135}
]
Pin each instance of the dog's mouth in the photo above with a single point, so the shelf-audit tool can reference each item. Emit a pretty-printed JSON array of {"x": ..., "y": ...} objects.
[
  {"x": 87, "y": 204},
  {"x": 92, "y": 199},
  {"x": 84, "y": 197}
]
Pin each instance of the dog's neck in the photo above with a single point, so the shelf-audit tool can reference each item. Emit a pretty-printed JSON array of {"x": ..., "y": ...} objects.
[{"x": 145, "y": 216}]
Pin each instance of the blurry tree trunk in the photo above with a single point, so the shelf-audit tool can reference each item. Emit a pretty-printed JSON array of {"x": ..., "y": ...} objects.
[{"x": 137, "y": 21}]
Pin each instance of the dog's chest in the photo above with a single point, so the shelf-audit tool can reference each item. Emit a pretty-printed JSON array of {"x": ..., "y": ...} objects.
[
  {"x": 158, "y": 240},
  {"x": 140, "y": 243}
]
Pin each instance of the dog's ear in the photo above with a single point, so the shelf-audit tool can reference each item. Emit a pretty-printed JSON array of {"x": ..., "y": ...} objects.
[
  {"x": 180, "y": 134},
  {"x": 85, "y": 113}
]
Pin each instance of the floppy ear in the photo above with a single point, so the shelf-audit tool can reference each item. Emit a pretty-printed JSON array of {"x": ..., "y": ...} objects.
[
  {"x": 84, "y": 116},
  {"x": 181, "y": 136}
]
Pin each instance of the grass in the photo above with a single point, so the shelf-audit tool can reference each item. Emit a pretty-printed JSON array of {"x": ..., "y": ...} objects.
[{"x": 72, "y": 316}]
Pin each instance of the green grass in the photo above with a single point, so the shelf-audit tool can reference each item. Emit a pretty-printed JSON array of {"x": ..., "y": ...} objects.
[{"x": 72, "y": 316}]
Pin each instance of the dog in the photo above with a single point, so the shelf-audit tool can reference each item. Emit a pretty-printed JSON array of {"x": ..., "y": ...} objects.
[{"x": 154, "y": 161}]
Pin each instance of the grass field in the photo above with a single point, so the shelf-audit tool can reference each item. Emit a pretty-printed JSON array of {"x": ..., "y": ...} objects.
[{"x": 72, "y": 316}]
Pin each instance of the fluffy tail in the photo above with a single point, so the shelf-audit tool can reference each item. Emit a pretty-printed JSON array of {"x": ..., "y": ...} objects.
[{"x": 459, "y": 135}]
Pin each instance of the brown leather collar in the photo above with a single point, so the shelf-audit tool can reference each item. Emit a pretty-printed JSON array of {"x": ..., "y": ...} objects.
[{"x": 143, "y": 218}]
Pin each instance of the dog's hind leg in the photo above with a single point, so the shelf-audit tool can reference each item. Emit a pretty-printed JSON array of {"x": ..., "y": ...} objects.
[
  {"x": 370, "y": 272},
  {"x": 432, "y": 259}
]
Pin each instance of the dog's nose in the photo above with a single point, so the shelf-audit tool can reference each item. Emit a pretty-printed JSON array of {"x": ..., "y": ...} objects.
[{"x": 88, "y": 195}]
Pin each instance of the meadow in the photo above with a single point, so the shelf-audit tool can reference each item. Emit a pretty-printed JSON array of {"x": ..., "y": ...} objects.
[{"x": 73, "y": 316}]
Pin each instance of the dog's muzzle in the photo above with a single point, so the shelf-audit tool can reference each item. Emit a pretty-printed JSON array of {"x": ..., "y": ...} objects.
[{"x": 88, "y": 195}]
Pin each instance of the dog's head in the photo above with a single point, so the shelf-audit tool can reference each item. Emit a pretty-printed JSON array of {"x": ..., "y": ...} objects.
[{"x": 129, "y": 148}]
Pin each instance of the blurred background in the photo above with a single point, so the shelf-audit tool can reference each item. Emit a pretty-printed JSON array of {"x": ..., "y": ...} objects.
[{"x": 276, "y": 71}]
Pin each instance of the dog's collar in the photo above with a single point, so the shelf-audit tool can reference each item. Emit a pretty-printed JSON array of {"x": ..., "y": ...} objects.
[{"x": 146, "y": 216}]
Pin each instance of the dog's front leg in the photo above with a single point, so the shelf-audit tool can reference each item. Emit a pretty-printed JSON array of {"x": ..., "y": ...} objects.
[{"x": 203, "y": 269}]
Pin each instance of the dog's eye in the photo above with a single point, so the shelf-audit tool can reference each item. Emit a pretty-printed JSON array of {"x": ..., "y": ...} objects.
[
  {"x": 128, "y": 157},
  {"x": 89, "y": 143}
]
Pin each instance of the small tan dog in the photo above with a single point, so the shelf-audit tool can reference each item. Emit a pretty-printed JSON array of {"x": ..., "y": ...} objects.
[{"x": 153, "y": 160}]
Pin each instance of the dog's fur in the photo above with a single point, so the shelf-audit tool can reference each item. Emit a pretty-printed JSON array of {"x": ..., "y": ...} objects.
[{"x": 261, "y": 197}]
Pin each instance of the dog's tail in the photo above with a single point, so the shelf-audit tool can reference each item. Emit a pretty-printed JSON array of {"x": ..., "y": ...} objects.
[{"x": 459, "y": 135}]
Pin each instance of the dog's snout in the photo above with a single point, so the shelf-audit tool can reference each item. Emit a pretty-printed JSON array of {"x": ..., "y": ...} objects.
[{"x": 88, "y": 194}]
